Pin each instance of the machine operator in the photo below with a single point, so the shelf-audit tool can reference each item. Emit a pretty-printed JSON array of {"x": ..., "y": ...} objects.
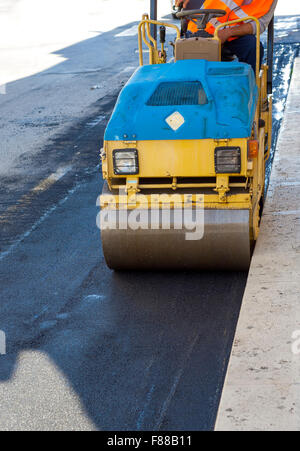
[{"x": 239, "y": 39}]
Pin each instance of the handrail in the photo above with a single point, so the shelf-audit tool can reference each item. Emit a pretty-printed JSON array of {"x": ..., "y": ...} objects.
[
  {"x": 232, "y": 22},
  {"x": 143, "y": 28},
  {"x": 154, "y": 41},
  {"x": 142, "y": 35}
]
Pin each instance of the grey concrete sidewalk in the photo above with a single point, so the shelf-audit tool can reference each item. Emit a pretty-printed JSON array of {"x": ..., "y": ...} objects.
[{"x": 262, "y": 388}]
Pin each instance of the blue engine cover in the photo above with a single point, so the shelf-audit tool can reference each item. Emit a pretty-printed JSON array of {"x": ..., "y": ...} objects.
[{"x": 217, "y": 101}]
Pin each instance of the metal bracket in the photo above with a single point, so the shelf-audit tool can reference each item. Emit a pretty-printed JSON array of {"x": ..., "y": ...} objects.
[{"x": 222, "y": 187}]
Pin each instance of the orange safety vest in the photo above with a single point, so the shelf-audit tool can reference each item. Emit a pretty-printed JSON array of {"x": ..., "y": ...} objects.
[{"x": 235, "y": 9}]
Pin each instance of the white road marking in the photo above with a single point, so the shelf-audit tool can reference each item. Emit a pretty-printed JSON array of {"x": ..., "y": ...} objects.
[
  {"x": 95, "y": 121},
  {"x": 54, "y": 177},
  {"x": 144, "y": 51},
  {"x": 129, "y": 69},
  {"x": 42, "y": 186},
  {"x": 37, "y": 224},
  {"x": 128, "y": 32}
]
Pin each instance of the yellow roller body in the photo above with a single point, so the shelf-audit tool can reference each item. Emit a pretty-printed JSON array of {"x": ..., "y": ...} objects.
[{"x": 227, "y": 203}]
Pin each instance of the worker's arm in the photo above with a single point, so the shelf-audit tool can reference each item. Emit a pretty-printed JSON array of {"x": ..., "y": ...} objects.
[
  {"x": 237, "y": 31},
  {"x": 249, "y": 27},
  {"x": 265, "y": 20}
]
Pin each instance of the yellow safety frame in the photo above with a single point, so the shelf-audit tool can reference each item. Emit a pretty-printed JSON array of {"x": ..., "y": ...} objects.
[
  {"x": 144, "y": 32},
  {"x": 232, "y": 22}
]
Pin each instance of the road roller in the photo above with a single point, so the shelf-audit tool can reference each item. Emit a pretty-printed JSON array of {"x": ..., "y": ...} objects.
[{"x": 185, "y": 152}]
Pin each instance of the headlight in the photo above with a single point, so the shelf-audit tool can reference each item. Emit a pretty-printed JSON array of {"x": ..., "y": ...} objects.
[
  {"x": 126, "y": 161},
  {"x": 228, "y": 160}
]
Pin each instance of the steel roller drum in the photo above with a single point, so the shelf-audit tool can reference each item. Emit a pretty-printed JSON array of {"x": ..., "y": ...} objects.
[{"x": 225, "y": 244}]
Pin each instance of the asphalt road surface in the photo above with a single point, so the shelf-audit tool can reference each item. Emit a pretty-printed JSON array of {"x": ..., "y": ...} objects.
[{"x": 88, "y": 348}]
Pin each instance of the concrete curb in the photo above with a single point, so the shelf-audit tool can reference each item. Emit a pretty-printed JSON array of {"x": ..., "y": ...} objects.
[{"x": 262, "y": 387}]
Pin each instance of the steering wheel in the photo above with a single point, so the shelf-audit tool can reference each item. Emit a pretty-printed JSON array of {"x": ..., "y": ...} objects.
[{"x": 203, "y": 16}]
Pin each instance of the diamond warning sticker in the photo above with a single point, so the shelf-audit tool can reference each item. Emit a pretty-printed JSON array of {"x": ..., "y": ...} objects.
[{"x": 175, "y": 121}]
